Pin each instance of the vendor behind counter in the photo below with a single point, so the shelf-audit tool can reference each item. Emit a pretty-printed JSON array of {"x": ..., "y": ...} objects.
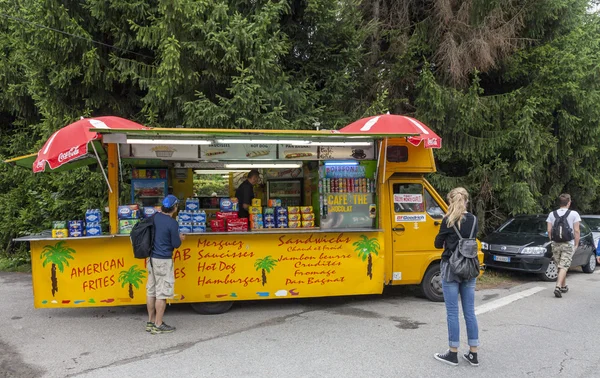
[{"x": 245, "y": 193}]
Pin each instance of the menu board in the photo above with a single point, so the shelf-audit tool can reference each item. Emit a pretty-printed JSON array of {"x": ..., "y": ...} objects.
[
  {"x": 293, "y": 152},
  {"x": 347, "y": 152},
  {"x": 163, "y": 151},
  {"x": 238, "y": 152}
]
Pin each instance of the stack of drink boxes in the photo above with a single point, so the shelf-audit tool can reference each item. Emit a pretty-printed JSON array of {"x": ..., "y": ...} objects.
[
  {"x": 192, "y": 219},
  {"x": 301, "y": 217},
  {"x": 93, "y": 217},
  {"x": 256, "y": 216},
  {"x": 59, "y": 229},
  {"x": 129, "y": 215}
]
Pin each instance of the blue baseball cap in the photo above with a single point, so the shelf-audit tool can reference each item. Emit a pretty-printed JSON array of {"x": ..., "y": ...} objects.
[{"x": 170, "y": 201}]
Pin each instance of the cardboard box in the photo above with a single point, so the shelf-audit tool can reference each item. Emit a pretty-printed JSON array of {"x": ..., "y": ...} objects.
[
  {"x": 185, "y": 228},
  {"x": 255, "y": 210},
  {"x": 295, "y": 217},
  {"x": 257, "y": 202},
  {"x": 184, "y": 217},
  {"x": 192, "y": 204},
  {"x": 126, "y": 225},
  {"x": 294, "y": 224},
  {"x": 294, "y": 210},
  {"x": 308, "y": 217},
  {"x": 198, "y": 227},
  {"x": 199, "y": 217},
  {"x": 60, "y": 233},
  {"x": 308, "y": 224},
  {"x": 93, "y": 229},
  {"x": 226, "y": 205},
  {"x": 306, "y": 209}
]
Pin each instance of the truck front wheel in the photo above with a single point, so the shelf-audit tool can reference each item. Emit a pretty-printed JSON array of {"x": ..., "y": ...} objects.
[
  {"x": 432, "y": 284},
  {"x": 212, "y": 308}
]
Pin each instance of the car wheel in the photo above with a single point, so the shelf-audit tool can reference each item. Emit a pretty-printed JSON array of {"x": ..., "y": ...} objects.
[
  {"x": 551, "y": 273},
  {"x": 212, "y": 308},
  {"x": 432, "y": 284},
  {"x": 591, "y": 265}
]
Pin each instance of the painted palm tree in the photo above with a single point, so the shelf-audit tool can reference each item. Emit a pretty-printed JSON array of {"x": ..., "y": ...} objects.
[
  {"x": 134, "y": 277},
  {"x": 266, "y": 265},
  {"x": 58, "y": 255},
  {"x": 365, "y": 247}
]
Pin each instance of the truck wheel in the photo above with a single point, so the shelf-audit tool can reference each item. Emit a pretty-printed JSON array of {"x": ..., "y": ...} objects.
[
  {"x": 432, "y": 284},
  {"x": 591, "y": 265},
  {"x": 212, "y": 308}
]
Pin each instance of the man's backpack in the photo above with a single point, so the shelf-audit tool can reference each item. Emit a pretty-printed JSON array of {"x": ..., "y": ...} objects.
[
  {"x": 561, "y": 230},
  {"x": 464, "y": 262},
  {"x": 142, "y": 238}
]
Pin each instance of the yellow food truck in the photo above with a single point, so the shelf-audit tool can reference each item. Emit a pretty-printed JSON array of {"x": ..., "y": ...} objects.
[{"x": 359, "y": 216}]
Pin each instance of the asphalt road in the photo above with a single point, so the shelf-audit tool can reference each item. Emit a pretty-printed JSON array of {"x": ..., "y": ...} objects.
[{"x": 394, "y": 335}]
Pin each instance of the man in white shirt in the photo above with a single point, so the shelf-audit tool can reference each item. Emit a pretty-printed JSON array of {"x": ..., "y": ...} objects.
[{"x": 562, "y": 250}]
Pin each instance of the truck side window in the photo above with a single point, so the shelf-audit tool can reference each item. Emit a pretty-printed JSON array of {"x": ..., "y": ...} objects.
[
  {"x": 408, "y": 198},
  {"x": 433, "y": 208}
]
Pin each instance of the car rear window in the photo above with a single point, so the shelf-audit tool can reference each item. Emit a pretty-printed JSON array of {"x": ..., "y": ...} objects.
[
  {"x": 525, "y": 226},
  {"x": 593, "y": 223}
]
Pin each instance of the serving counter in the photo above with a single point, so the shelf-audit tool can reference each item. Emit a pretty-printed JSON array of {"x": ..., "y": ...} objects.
[{"x": 210, "y": 267}]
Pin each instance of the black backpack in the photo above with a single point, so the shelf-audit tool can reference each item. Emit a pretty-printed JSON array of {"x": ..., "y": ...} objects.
[
  {"x": 142, "y": 238},
  {"x": 464, "y": 262},
  {"x": 561, "y": 231}
]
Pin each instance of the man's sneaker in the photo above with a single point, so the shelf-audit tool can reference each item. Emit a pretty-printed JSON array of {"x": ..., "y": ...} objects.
[
  {"x": 471, "y": 358},
  {"x": 557, "y": 292},
  {"x": 450, "y": 358},
  {"x": 564, "y": 289},
  {"x": 149, "y": 326},
  {"x": 163, "y": 328}
]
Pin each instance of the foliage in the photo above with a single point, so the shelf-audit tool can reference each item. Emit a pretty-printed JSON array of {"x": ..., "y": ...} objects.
[
  {"x": 206, "y": 185},
  {"x": 511, "y": 86}
]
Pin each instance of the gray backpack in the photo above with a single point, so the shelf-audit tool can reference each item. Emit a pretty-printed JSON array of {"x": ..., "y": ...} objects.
[{"x": 464, "y": 262}]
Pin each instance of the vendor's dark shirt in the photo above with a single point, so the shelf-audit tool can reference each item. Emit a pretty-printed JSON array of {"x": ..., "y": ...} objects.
[
  {"x": 166, "y": 236},
  {"x": 244, "y": 194},
  {"x": 447, "y": 237}
]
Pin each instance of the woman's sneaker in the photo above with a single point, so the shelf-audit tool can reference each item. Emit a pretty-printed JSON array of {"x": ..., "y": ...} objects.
[
  {"x": 471, "y": 358},
  {"x": 163, "y": 328},
  {"x": 450, "y": 358},
  {"x": 564, "y": 289},
  {"x": 149, "y": 326}
]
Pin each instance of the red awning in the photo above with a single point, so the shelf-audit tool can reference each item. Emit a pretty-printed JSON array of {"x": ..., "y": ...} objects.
[{"x": 396, "y": 124}]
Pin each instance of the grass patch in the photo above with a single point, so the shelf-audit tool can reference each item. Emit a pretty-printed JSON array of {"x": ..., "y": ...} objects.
[
  {"x": 15, "y": 262},
  {"x": 499, "y": 279}
]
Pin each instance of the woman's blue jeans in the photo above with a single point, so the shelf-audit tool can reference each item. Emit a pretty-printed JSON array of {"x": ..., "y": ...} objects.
[{"x": 467, "y": 297}]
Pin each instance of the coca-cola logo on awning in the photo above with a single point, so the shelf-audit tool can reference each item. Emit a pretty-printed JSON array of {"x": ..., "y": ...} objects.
[
  {"x": 40, "y": 164},
  {"x": 69, "y": 154}
]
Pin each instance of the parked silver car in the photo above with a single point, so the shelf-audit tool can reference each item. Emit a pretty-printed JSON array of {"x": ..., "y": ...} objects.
[{"x": 593, "y": 221}]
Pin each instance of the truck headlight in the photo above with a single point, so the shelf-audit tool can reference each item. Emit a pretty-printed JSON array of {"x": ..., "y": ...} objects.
[{"x": 533, "y": 251}]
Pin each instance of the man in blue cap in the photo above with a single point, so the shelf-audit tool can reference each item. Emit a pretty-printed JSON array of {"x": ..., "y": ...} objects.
[{"x": 161, "y": 274}]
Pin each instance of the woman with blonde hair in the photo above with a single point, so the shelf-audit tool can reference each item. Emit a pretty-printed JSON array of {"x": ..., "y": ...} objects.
[{"x": 457, "y": 220}]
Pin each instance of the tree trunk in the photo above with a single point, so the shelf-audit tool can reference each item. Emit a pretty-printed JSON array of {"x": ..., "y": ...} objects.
[
  {"x": 375, "y": 42},
  {"x": 131, "y": 291},
  {"x": 370, "y": 267},
  {"x": 53, "y": 279},
  {"x": 264, "y": 277}
]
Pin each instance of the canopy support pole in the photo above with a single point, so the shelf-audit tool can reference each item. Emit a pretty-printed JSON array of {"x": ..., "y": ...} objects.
[
  {"x": 113, "y": 195},
  {"x": 383, "y": 176},
  {"x": 102, "y": 168}
]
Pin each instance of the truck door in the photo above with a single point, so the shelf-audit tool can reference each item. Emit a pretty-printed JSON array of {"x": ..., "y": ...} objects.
[{"x": 416, "y": 217}]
